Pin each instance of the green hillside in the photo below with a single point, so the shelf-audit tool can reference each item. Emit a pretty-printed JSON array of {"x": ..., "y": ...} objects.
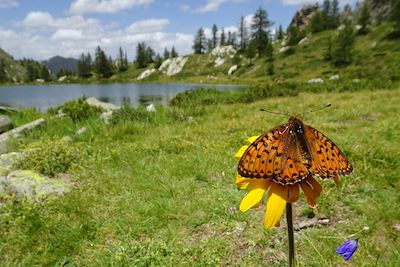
[{"x": 374, "y": 57}]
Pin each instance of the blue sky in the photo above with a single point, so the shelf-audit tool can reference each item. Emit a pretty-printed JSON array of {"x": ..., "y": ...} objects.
[{"x": 41, "y": 29}]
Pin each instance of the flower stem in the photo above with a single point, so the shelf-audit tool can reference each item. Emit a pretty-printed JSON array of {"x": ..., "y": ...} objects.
[{"x": 290, "y": 233}]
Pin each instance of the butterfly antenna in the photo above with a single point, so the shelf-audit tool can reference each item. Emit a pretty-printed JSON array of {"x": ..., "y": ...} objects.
[
  {"x": 314, "y": 110},
  {"x": 273, "y": 112}
]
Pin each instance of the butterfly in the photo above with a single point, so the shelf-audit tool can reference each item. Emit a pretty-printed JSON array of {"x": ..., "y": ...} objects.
[{"x": 291, "y": 152}]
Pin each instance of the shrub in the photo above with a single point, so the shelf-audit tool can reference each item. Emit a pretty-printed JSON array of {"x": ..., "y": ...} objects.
[
  {"x": 77, "y": 110},
  {"x": 128, "y": 113},
  {"x": 51, "y": 157}
]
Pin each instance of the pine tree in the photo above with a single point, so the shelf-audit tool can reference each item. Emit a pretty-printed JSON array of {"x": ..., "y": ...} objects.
[
  {"x": 259, "y": 26},
  {"x": 173, "y": 52},
  {"x": 121, "y": 62},
  {"x": 222, "y": 40},
  {"x": 158, "y": 61},
  {"x": 334, "y": 15},
  {"x": 280, "y": 33},
  {"x": 214, "y": 36},
  {"x": 166, "y": 54},
  {"x": 342, "y": 50},
  {"x": 364, "y": 18},
  {"x": 84, "y": 66},
  {"x": 141, "y": 56},
  {"x": 44, "y": 73},
  {"x": 102, "y": 65},
  {"x": 317, "y": 23},
  {"x": 242, "y": 34},
  {"x": 200, "y": 42},
  {"x": 325, "y": 13},
  {"x": 250, "y": 51}
]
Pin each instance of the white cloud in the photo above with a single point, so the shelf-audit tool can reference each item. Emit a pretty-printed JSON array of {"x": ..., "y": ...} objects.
[
  {"x": 210, "y": 6},
  {"x": 8, "y": 4},
  {"x": 67, "y": 34},
  {"x": 149, "y": 25},
  {"x": 105, "y": 6},
  {"x": 47, "y": 36},
  {"x": 303, "y": 2}
]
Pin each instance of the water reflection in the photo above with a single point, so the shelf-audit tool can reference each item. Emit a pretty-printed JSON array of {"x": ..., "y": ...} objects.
[{"x": 44, "y": 97}]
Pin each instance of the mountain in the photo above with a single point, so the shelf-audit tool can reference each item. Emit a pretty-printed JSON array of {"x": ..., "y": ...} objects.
[
  {"x": 55, "y": 64},
  {"x": 10, "y": 69}
]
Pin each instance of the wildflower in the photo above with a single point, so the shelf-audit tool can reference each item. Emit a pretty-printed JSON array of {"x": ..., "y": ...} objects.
[
  {"x": 278, "y": 194},
  {"x": 347, "y": 249}
]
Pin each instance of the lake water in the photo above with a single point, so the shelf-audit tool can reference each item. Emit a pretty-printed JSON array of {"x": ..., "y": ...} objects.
[{"x": 43, "y": 97}]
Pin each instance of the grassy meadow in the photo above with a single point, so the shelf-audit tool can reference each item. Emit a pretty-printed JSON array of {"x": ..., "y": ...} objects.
[{"x": 157, "y": 189}]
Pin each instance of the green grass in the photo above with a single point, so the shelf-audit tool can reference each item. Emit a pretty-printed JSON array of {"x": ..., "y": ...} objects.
[{"x": 158, "y": 189}]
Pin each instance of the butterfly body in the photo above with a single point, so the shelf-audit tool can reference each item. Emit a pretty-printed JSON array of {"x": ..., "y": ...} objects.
[{"x": 291, "y": 152}]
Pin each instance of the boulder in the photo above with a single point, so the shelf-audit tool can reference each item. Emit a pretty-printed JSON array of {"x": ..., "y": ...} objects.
[
  {"x": 316, "y": 80},
  {"x": 222, "y": 51},
  {"x": 81, "y": 131},
  {"x": 173, "y": 66},
  {"x": 146, "y": 74},
  {"x": 334, "y": 77},
  {"x": 304, "y": 40},
  {"x": 302, "y": 18},
  {"x": 62, "y": 78},
  {"x": 9, "y": 162},
  {"x": 151, "y": 108},
  {"x": 284, "y": 49},
  {"x": 219, "y": 61},
  {"x": 5, "y": 123},
  {"x": 232, "y": 69},
  {"x": 106, "y": 116},
  {"x": 34, "y": 186},
  {"x": 97, "y": 103}
]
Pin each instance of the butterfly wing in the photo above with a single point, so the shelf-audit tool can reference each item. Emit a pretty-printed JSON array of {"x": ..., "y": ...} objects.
[
  {"x": 327, "y": 159},
  {"x": 274, "y": 155}
]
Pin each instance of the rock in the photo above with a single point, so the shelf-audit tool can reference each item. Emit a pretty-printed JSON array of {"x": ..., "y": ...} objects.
[
  {"x": 222, "y": 51},
  {"x": 17, "y": 131},
  {"x": 219, "y": 61},
  {"x": 146, "y": 74},
  {"x": 356, "y": 80},
  {"x": 303, "y": 16},
  {"x": 284, "y": 49},
  {"x": 334, "y": 77},
  {"x": 35, "y": 186},
  {"x": 81, "y": 131},
  {"x": 106, "y": 116},
  {"x": 97, "y": 103},
  {"x": 9, "y": 162},
  {"x": 316, "y": 80},
  {"x": 151, "y": 108},
  {"x": 62, "y": 78},
  {"x": 40, "y": 80},
  {"x": 173, "y": 66},
  {"x": 3, "y": 147},
  {"x": 304, "y": 40},
  {"x": 396, "y": 227},
  {"x": 373, "y": 45},
  {"x": 5, "y": 123},
  {"x": 232, "y": 69},
  {"x": 311, "y": 223},
  {"x": 341, "y": 27},
  {"x": 358, "y": 27}
]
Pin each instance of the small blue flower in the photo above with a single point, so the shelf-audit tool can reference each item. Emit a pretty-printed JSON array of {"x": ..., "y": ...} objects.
[{"x": 347, "y": 249}]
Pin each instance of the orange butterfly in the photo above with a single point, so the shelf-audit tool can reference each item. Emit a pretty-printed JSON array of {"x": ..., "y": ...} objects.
[{"x": 291, "y": 152}]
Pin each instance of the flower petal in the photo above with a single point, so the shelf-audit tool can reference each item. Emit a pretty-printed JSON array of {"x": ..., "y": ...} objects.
[
  {"x": 240, "y": 152},
  {"x": 308, "y": 191},
  {"x": 251, "y": 199},
  {"x": 280, "y": 190},
  {"x": 241, "y": 182},
  {"x": 293, "y": 193},
  {"x": 317, "y": 188},
  {"x": 275, "y": 207},
  {"x": 252, "y": 139}
]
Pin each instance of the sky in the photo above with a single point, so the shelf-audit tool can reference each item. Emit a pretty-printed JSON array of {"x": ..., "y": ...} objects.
[{"x": 41, "y": 29}]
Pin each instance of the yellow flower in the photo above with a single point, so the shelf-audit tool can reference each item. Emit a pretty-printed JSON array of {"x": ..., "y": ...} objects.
[{"x": 278, "y": 195}]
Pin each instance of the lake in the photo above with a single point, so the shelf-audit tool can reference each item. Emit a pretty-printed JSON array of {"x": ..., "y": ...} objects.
[{"x": 43, "y": 97}]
